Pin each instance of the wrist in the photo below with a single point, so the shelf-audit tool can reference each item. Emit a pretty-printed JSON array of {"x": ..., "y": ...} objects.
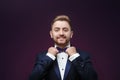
[
  {"x": 74, "y": 56},
  {"x": 51, "y": 56}
]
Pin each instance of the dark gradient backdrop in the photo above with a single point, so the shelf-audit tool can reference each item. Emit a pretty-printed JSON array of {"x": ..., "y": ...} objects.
[{"x": 25, "y": 25}]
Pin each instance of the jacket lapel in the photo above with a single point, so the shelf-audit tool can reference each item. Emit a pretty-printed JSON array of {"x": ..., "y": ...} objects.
[
  {"x": 56, "y": 68},
  {"x": 67, "y": 69}
]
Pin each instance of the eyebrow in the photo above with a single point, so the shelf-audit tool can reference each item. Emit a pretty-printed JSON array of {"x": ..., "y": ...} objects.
[
  {"x": 56, "y": 28},
  {"x": 59, "y": 27}
]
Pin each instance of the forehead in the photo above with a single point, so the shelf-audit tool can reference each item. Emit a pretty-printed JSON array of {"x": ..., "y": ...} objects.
[{"x": 60, "y": 24}]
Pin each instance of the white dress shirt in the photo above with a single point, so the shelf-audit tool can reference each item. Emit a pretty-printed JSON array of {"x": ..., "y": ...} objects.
[{"x": 62, "y": 60}]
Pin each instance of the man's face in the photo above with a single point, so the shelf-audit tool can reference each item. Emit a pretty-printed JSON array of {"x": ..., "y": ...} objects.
[{"x": 61, "y": 32}]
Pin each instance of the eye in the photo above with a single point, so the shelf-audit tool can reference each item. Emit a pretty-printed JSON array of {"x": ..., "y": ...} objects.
[
  {"x": 65, "y": 29},
  {"x": 56, "y": 29}
]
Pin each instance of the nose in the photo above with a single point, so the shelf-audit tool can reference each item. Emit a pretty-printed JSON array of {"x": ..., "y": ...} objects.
[{"x": 61, "y": 32}]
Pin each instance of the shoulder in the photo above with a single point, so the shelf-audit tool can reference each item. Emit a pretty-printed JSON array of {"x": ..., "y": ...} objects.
[
  {"x": 83, "y": 54},
  {"x": 41, "y": 54}
]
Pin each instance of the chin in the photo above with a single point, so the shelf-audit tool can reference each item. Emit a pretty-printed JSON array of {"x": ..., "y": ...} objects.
[
  {"x": 61, "y": 43},
  {"x": 64, "y": 42}
]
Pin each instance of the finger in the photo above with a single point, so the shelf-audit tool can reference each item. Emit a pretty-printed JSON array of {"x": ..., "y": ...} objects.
[{"x": 57, "y": 51}]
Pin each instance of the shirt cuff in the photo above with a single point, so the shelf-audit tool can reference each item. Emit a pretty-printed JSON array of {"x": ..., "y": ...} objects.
[
  {"x": 74, "y": 56},
  {"x": 51, "y": 56}
]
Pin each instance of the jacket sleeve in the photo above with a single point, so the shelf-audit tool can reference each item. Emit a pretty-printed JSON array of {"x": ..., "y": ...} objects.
[
  {"x": 41, "y": 67},
  {"x": 84, "y": 67}
]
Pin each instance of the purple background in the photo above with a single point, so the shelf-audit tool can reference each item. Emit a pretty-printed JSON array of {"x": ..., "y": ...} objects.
[{"x": 25, "y": 25}]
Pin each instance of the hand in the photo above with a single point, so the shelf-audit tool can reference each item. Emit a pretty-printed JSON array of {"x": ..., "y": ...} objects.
[
  {"x": 53, "y": 51},
  {"x": 71, "y": 50}
]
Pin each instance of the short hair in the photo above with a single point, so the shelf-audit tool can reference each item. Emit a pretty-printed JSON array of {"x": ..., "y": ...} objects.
[{"x": 62, "y": 18}]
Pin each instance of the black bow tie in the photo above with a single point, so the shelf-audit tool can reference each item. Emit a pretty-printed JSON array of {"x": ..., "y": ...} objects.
[{"x": 61, "y": 49}]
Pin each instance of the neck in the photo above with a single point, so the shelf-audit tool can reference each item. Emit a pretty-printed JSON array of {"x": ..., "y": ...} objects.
[{"x": 63, "y": 45}]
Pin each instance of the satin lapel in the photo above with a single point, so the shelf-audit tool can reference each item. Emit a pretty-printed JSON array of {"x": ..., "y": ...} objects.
[
  {"x": 56, "y": 68},
  {"x": 68, "y": 65}
]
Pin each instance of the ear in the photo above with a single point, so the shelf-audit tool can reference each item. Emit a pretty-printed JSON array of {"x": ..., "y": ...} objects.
[
  {"x": 71, "y": 34},
  {"x": 51, "y": 34}
]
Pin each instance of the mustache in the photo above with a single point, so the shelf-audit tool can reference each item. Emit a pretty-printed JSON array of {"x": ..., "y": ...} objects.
[{"x": 61, "y": 36}]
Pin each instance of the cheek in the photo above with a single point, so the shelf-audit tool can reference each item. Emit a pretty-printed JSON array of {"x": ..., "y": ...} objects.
[
  {"x": 68, "y": 35},
  {"x": 54, "y": 35}
]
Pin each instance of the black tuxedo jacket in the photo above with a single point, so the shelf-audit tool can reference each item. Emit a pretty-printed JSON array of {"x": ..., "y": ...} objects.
[{"x": 79, "y": 69}]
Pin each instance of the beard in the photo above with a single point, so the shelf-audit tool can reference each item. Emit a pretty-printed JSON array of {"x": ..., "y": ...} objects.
[{"x": 61, "y": 40}]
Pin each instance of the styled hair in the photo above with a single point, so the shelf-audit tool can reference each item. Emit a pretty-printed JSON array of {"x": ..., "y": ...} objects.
[{"x": 62, "y": 18}]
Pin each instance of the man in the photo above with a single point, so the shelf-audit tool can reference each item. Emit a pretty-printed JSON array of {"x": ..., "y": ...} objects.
[{"x": 63, "y": 61}]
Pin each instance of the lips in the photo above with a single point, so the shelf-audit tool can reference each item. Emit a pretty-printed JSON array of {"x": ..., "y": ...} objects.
[{"x": 61, "y": 37}]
